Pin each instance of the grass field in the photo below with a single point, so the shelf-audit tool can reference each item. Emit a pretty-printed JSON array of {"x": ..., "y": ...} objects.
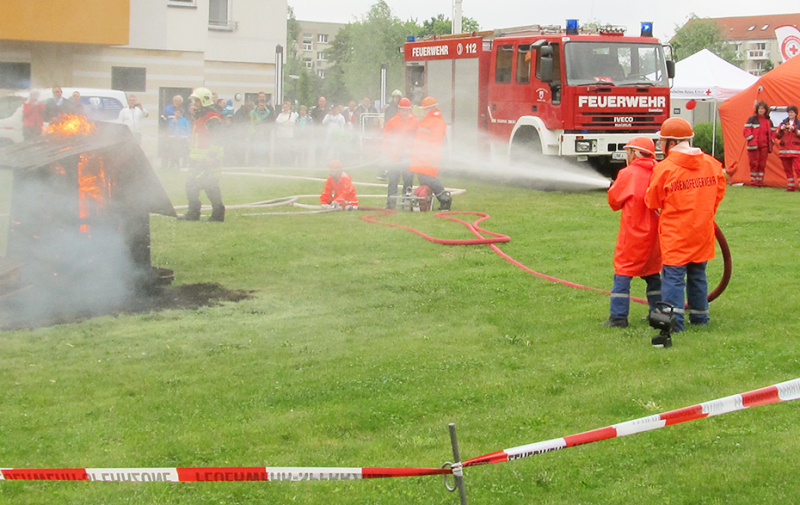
[{"x": 362, "y": 342}]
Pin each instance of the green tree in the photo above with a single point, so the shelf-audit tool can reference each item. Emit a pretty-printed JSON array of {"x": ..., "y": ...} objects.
[
  {"x": 703, "y": 33},
  {"x": 296, "y": 77},
  {"x": 440, "y": 25},
  {"x": 377, "y": 38}
]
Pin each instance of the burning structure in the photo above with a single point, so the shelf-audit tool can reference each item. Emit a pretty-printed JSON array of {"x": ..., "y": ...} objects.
[{"x": 75, "y": 220}]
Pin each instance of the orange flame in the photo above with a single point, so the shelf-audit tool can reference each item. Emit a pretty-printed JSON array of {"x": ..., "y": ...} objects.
[
  {"x": 93, "y": 187},
  {"x": 67, "y": 125}
]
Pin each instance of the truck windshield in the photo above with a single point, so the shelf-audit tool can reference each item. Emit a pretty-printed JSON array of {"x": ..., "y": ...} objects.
[{"x": 615, "y": 64}]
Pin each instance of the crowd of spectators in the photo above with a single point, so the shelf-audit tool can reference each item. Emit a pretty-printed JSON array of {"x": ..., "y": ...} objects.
[{"x": 256, "y": 134}]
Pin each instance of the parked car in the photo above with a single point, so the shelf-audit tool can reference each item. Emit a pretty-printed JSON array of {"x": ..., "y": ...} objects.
[{"x": 98, "y": 105}]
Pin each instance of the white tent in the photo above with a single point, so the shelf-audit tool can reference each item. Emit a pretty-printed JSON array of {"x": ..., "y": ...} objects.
[{"x": 706, "y": 76}]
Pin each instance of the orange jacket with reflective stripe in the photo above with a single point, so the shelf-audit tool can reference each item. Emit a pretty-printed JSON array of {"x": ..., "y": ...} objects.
[
  {"x": 687, "y": 186},
  {"x": 341, "y": 191},
  {"x": 637, "y": 253},
  {"x": 428, "y": 144},
  {"x": 398, "y": 137}
]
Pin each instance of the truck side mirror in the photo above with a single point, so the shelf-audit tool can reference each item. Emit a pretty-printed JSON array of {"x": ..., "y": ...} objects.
[
  {"x": 545, "y": 70},
  {"x": 670, "y": 69}
]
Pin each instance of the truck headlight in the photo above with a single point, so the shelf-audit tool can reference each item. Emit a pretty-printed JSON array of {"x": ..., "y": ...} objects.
[{"x": 585, "y": 146}]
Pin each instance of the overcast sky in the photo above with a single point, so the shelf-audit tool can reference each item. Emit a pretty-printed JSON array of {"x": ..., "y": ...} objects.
[{"x": 665, "y": 14}]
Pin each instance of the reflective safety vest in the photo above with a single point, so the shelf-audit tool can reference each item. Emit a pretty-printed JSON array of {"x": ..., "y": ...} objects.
[{"x": 206, "y": 144}]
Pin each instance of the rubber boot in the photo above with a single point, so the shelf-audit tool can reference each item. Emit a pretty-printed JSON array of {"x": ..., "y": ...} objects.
[
  {"x": 444, "y": 200},
  {"x": 192, "y": 214},
  {"x": 217, "y": 214}
]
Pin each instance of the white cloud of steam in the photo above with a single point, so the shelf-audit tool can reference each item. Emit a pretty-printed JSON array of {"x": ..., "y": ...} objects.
[
  {"x": 539, "y": 172},
  {"x": 67, "y": 273}
]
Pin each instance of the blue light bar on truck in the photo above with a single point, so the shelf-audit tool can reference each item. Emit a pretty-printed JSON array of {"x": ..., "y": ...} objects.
[
  {"x": 647, "y": 28},
  {"x": 572, "y": 27}
]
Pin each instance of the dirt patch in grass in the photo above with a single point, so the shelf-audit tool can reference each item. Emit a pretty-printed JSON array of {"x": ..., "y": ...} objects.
[{"x": 26, "y": 311}]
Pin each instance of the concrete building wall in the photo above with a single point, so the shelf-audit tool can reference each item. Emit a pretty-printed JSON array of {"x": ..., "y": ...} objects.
[{"x": 173, "y": 43}]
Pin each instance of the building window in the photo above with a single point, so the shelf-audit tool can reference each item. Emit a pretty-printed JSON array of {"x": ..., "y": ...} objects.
[
  {"x": 219, "y": 15},
  {"x": 307, "y": 38},
  {"x": 15, "y": 75},
  {"x": 307, "y": 46},
  {"x": 321, "y": 56},
  {"x": 322, "y": 38},
  {"x": 181, "y": 3},
  {"x": 307, "y": 62},
  {"x": 129, "y": 78},
  {"x": 321, "y": 73}
]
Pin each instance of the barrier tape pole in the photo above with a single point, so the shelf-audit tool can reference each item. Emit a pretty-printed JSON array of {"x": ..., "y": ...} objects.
[
  {"x": 783, "y": 392},
  {"x": 293, "y": 474},
  {"x": 458, "y": 475}
]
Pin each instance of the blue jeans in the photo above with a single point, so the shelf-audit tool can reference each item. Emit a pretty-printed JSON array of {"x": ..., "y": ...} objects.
[
  {"x": 691, "y": 278},
  {"x": 621, "y": 294}
]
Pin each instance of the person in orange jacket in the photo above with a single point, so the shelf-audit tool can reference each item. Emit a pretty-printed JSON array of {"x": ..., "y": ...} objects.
[
  {"x": 637, "y": 253},
  {"x": 788, "y": 137},
  {"x": 398, "y": 138},
  {"x": 339, "y": 191},
  {"x": 427, "y": 153},
  {"x": 687, "y": 186},
  {"x": 759, "y": 136}
]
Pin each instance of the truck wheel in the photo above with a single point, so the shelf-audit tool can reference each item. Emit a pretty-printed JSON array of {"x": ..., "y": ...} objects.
[
  {"x": 604, "y": 166},
  {"x": 525, "y": 146}
]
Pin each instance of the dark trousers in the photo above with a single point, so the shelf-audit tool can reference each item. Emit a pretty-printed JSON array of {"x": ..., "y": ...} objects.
[
  {"x": 621, "y": 294},
  {"x": 395, "y": 172},
  {"x": 691, "y": 280},
  {"x": 203, "y": 182}
]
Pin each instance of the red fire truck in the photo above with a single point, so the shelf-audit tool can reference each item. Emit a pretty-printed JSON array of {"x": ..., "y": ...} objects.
[{"x": 544, "y": 90}]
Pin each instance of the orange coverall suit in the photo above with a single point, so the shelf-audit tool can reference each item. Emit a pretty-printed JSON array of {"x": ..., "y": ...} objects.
[
  {"x": 398, "y": 139},
  {"x": 759, "y": 137},
  {"x": 687, "y": 186},
  {"x": 789, "y": 152},
  {"x": 637, "y": 253},
  {"x": 342, "y": 192},
  {"x": 427, "y": 154}
]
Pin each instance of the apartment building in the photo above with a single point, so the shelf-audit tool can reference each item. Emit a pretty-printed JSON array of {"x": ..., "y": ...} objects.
[
  {"x": 754, "y": 38},
  {"x": 154, "y": 49},
  {"x": 314, "y": 38}
]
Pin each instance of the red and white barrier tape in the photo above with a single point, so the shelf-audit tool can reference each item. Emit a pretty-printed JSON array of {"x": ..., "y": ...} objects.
[
  {"x": 783, "y": 392},
  {"x": 293, "y": 474}
]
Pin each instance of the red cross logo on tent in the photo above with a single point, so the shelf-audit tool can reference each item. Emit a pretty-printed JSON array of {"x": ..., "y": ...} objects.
[{"x": 790, "y": 47}]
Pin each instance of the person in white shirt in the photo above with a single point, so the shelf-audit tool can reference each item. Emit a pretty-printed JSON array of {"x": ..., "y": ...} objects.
[
  {"x": 132, "y": 115},
  {"x": 284, "y": 134}
]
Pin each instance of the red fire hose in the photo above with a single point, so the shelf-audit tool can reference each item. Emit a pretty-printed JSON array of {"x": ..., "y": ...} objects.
[{"x": 497, "y": 238}]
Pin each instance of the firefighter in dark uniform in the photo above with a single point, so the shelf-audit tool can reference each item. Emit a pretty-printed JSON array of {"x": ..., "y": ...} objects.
[{"x": 205, "y": 158}]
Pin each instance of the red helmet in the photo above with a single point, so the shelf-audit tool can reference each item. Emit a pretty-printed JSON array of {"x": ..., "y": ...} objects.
[
  {"x": 429, "y": 101},
  {"x": 676, "y": 128},
  {"x": 643, "y": 144},
  {"x": 404, "y": 103}
]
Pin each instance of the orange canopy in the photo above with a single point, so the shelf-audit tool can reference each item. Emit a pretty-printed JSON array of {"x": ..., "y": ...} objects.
[{"x": 778, "y": 87}]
